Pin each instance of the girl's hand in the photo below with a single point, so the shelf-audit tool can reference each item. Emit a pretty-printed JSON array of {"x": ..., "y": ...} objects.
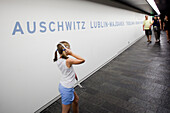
[{"x": 68, "y": 52}]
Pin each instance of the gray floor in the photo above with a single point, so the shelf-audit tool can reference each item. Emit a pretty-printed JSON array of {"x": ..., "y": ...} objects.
[{"x": 137, "y": 81}]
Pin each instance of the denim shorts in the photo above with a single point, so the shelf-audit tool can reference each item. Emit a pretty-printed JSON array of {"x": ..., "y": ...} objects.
[{"x": 67, "y": 94}]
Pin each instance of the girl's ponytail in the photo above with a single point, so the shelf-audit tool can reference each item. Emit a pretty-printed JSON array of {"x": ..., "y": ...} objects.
[{"x": 55, "y": 56}]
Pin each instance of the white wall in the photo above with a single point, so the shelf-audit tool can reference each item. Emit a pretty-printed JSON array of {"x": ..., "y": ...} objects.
[{"x": 28, "y": 77}]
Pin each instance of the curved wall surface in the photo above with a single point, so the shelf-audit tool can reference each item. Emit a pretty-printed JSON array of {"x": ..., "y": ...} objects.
[{"x": 30, "y": 31}]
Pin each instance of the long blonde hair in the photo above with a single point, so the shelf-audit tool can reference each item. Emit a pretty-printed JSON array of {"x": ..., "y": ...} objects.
[{"x": 61, "y": 50}]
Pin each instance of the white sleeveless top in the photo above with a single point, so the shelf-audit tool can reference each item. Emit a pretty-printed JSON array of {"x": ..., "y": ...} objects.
[{"x": 68, "y": 74}]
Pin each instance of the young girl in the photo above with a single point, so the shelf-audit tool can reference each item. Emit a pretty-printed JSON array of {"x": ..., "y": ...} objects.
[{"x": 66, "y": 86}]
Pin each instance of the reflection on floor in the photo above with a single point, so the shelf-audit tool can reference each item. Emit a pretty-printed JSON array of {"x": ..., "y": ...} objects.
[{"x": 137, "y": 81}]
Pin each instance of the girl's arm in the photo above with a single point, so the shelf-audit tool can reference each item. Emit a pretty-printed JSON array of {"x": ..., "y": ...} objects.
[{"x": 70, "y": 61}]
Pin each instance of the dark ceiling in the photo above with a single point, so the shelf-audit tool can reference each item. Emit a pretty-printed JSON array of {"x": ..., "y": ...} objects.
[
  {"x": 140, "y": 6},
  {"x": 163, "y": 6}
]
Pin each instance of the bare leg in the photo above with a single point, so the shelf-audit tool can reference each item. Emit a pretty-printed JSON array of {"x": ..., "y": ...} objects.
[
  {"x": 75, "y": 103},
  {"x": 66, "y": 108},
  {"x": 150, "y": 38},
  {"x": 167, "y": 34}
]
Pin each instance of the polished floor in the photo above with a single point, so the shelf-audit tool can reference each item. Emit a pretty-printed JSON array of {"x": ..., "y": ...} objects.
[{"x": 137, "y": 81}]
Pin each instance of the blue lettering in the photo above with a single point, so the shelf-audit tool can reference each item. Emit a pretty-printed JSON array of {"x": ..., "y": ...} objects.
[
  {"x": 52, "y": 30},
  {"x": 98, "y": 24},
  {"x": 102, "y": 25},
  {"x": 60, "y": 26},
  {"x": 95, "y": 24},
  {"x": 74, "y": 25},
  {"x": 106, "y": 24},
  {"x": 111, "y": 24},
  {"x": 91, "y": 24},
  {"x": 83, "y": 26},
  {"x": 28, "y": 27},
  {"x": 130, "y": 22},
  {"x": 68, "y": 25},
  {"x": 78, "y": 23},
  {"x": 119, "y": 23},
  {"x": 42, "y": 25},
  {"x": 19, "y": 29}
]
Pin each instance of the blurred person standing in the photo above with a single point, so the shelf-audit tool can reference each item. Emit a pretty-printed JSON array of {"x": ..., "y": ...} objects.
[
  {"x": 147, "y": 28},
  {"x": 156, "y": 28},
  {"x": 166, "y": 28}
]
